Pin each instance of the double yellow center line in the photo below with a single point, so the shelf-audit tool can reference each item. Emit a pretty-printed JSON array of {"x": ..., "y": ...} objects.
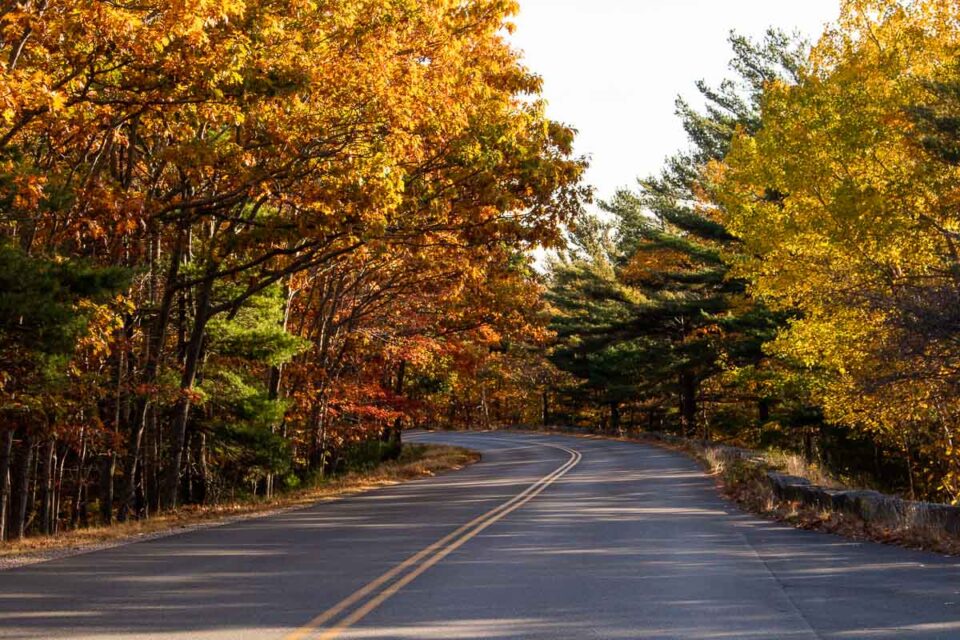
[{"x": 378, "y": 591}]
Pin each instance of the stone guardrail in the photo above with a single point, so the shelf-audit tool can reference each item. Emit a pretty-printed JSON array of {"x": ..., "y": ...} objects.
[{"x": 872, "y": 507}]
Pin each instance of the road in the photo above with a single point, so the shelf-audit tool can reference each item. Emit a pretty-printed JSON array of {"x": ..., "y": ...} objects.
[{"x": 548, "y": 537}]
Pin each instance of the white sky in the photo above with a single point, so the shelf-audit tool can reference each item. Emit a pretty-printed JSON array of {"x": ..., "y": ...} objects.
[{"x": 612, "y": 68}]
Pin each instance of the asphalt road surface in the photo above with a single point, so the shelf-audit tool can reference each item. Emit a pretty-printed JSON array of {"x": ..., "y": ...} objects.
[{"x": 548, "y": 537}]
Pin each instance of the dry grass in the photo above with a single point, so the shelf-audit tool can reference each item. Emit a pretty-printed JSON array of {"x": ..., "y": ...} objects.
[
  {"x": 417, "y": 461},
  {"x": 796, "y": 465},
  {"x": 925, "y": 537},
  {"x": 716, "y": 461}
]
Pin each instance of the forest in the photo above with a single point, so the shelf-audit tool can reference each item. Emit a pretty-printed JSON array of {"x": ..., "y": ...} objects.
[
  {"x": 244, "y": 244},
  {"x": 791, "y": 280}
]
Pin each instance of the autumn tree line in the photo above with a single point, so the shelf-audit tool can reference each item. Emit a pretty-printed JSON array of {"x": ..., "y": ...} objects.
[
  {"x": 243, "y": 243},
  {"x": 792, "y": 278}
]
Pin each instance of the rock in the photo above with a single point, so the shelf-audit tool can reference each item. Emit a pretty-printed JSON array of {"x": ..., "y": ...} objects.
[
  {"x": 866, "y": 503},
  {"x": 821, "y": 498},
  {"x": 789, "y": 487},
  {"x": 842, "y": 501},
  {"x": 931, "y": 515}
]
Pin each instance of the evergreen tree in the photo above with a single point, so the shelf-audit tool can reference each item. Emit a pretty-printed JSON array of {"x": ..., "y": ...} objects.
[
  {"x": 240, "y": 416},
  {"x": 652, "y": 286},
  {"x": 45, "y": 306}
]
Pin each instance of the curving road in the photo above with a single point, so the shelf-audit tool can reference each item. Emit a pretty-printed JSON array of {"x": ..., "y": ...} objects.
[{"x": 548, "y": 537}]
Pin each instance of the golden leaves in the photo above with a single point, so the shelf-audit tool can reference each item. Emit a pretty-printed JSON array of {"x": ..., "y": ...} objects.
[
  {"x": 846, "y": 218},
  {"x": 404, "y": 134}
]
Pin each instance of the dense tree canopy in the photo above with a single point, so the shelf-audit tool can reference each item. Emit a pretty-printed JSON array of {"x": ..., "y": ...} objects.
[
  {"x": 244, "y": 243},
  {"x": 245, "y": 235},
  {"x": 647, "y": 309}
]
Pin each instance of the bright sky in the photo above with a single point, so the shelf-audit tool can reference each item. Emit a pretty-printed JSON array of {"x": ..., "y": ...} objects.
[{"x": 612, "y": 68}]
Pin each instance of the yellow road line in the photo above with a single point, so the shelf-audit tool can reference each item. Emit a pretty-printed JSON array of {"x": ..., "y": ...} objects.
[
  {"x": 440, "y": 549},
  {"x": 390, "y": 591}
]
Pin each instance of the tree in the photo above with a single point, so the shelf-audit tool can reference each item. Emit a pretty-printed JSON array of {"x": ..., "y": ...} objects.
[
  {"x": 648, "y": 305},
  {"x": 46, "y": 306},
  {"x": 283, "y": 180},
  {"x": 843, "y": 199}
]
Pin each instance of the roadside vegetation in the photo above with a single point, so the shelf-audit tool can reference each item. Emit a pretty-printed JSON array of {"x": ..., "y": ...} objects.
[
  {"x": 746, "y": 479},
  {"x": 791, "y": 280},
  {"x": 244, "y": 243},
  {"x": 416, "y": 461}
]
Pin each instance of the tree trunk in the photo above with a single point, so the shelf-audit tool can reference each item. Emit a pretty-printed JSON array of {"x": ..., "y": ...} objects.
[
  {"x": 763, "y": 411},
  {"x": 21, "y": 490},
  {"x": 203, "y": 470},
  {"x": 877, "y": 469},
  {"x": 614, "y": 417},
  {"x": 34, "y": 483},
  {"x": 181, "y": 413},
  {"x": 151, "y": 470},
  {"x": 145, "y": 409},
  {"x": 273, "y": 393},
  {"x": 107, "y": 470},
  {"x": 909, "y": 460},
  {"x": 45, "y": 480},
  {"x": 83, "y": 515},
  {"x": 140, "y": 493},
  {"x": 808, "y": 444},
  {"x": 6, "y": 449},
  {"x": 394, "y": 434},
  {"x": 545, "y": 408},
  {"x": 129, "y": 484},
  {"x": 78, "y": 496},
  {"x": 317, "y": 446},
  {"x": 688, "y": 404},
  {"x": 58, "y": 489},
  {"x": 484, "y": 407}
]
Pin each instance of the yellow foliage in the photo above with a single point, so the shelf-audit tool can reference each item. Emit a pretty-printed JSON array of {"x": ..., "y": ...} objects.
[{"x": 848, "y": 220}]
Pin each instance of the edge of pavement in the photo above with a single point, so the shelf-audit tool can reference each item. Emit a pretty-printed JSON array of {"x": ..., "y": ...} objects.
[{"x": 65, "y": 546}]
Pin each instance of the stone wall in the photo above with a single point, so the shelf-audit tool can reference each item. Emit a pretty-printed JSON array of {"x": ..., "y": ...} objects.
[{"x": 872, "y": 507}]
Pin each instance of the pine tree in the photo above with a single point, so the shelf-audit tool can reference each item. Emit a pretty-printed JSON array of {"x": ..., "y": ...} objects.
[{"x": 652, "y": 286}]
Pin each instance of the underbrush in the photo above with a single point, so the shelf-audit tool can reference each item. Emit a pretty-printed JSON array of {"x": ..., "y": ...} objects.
[
  {"x": 743, "y": 480},
  {"x": 415, "y": 461}
]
